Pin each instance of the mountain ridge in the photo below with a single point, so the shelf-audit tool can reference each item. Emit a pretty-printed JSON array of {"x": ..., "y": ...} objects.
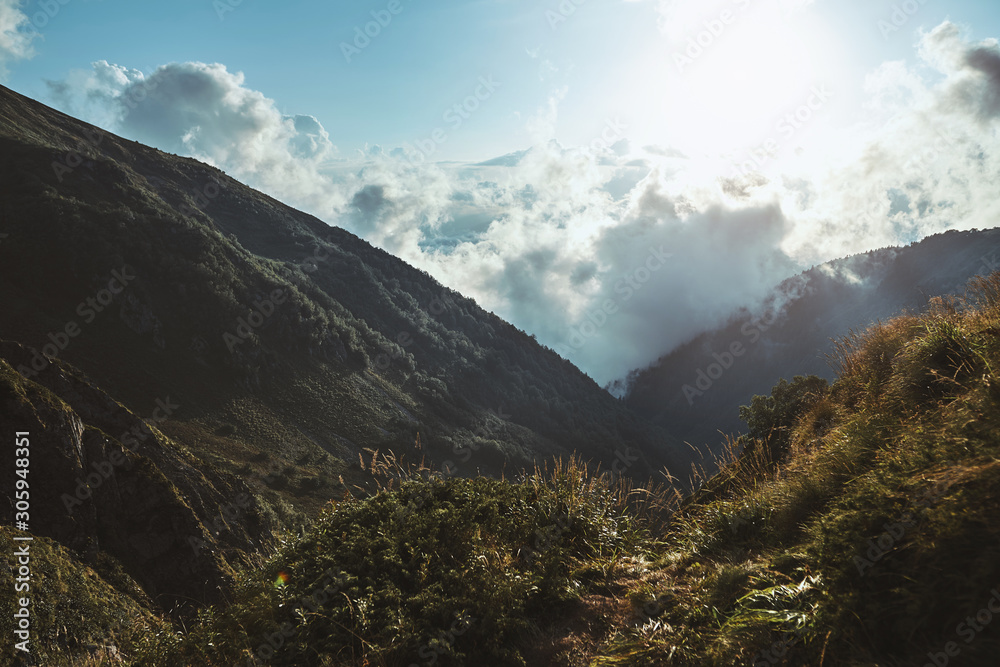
[{"x": 698, "y": 387}]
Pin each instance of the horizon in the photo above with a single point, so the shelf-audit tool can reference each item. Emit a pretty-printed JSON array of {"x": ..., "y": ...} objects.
[{"x": 537, "y": 159}]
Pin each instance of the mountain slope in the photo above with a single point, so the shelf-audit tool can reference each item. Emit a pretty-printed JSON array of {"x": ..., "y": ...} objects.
[
  {"x": 202, "y": 368},
  {"x": 279, "y": 336},
  {"x": 697, "y": 389},
  {"x": 118, "y": 493}
]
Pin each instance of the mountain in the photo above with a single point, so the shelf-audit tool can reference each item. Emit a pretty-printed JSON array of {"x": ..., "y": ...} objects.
[
  {"x": 858, "y": 525},
  {"x": 240, "y": 435},
  {"x": 127, "y": 500},
  {"x": 697, "y": 389},
  {"x": 508, "y": 160},
  {"x": 221, "y": 365}
]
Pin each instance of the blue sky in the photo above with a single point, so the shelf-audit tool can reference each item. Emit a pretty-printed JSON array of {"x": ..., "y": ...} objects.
[
  {"x": 745, "y": 139},
  {"x": 395, "y": 90},
  {"x": 431, "y": 55}
]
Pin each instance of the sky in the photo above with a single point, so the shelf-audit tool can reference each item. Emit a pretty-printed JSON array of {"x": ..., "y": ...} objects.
[{"x": 612, "y": 176}]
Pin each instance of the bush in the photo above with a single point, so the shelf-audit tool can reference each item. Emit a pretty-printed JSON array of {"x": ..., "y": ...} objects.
[
  {"x": 461, "y": 571},
  {"x": 770, "y": 418}
]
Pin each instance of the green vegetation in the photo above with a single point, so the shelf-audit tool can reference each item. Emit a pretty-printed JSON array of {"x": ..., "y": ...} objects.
[
  {"x": 461, "y": 571},
  {"x": 360, "y": 350},
  {"x": 858, "y": 526},
  {"x": 855, "y": 524},
  {"x": 873, "y": 537}
]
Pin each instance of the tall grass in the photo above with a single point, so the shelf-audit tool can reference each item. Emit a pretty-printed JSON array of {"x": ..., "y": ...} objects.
[{"x": 875, "y": 537}]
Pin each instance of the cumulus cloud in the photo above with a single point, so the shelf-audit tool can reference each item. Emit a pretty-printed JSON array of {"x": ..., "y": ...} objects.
[
  {"x": 610, "y": 256},
  {"x": 17, "y": 35},
  {"x": 205, "y": 111},
  {"x": 973, "y": 71}
]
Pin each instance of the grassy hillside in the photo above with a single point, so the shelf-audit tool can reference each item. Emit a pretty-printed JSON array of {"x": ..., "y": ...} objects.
[
  {"x": 203, "y": 368},
  {"x": 859, "y": 524},
  {"x": 449, "y": 572},
  {"x": 78, "y": 616},
  {"x": 862, "y": 528}
]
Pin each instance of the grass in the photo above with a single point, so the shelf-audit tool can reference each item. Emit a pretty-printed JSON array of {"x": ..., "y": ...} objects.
[
  {"x": 461, "y": 571},
  {"x": 74, "y": 611},
  {"x": 868, "y": 535},
  {"x": 875, "y": 537}
]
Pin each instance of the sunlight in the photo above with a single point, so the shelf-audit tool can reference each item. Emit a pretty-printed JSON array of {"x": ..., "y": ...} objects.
[{"x": 727, "y": 76}]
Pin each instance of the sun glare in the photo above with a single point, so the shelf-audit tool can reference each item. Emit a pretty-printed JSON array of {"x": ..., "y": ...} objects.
[{"x": 726, "y": 76}]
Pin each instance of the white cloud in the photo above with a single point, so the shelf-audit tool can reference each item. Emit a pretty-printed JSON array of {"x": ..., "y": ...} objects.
[
  {"x": 16, "y": 34},
  {"x": 924, "y": 165},
  {"x": 542, "y": 125},
  {"x": 205, "y": 111}
]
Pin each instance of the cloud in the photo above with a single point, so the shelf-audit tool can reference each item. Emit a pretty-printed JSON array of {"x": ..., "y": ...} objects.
[
  {"x": 17, "y": 35},
  {"x": 972, "y": 70},
  {"x": 610, "y": 256},
  {"x": 925, "y": 164},
  {"x": 95, "y": 94},
  {"x": 311, "y": 140},
  {"x": 205, "y": 111}
]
